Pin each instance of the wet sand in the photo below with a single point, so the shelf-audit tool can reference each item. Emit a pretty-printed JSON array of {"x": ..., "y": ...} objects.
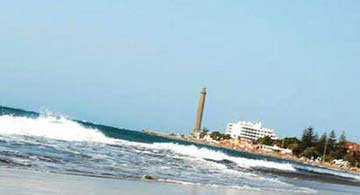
[
  {"x": 26, "y": 182},
  {"x": 29, "y": 182}
]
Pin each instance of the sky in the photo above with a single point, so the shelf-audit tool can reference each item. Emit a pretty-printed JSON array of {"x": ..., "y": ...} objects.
[{"x": 142, "y": 64}]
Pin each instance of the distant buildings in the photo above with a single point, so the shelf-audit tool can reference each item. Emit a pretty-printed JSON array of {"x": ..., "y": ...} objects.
[
  {"x": 340, "y": 162},
  {"x": 249, "y": 131},
  {"x": 274, "y": 148},
  {"x": 351, "y": 147}
]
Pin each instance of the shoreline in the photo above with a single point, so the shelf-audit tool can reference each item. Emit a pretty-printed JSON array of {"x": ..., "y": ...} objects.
[
  {"x": 15, "y": 181},
  {"x": 292, "y": 158}
]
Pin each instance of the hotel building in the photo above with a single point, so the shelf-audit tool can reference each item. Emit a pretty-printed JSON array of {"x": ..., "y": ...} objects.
[{"x": 249, "y": 131}]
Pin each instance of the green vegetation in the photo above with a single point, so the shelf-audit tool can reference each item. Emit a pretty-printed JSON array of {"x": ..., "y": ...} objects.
[
  {"x": 203, "y": 133},
  {"x": 216, "y": 135},
  {"x": 266, "y": 141},
  {"x": 311, "y": 146}
]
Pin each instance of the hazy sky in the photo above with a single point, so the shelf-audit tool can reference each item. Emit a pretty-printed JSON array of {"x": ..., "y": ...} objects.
[{"x": 141, "y": 64}]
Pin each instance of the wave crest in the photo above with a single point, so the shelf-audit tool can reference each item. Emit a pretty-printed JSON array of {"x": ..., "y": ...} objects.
[
  {"x": 58, "y": 128},
  {"x": 205, "y": 153}
]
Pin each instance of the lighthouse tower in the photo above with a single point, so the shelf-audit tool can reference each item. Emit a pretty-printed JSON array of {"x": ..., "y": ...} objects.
[{"x": 199, "y": 115}]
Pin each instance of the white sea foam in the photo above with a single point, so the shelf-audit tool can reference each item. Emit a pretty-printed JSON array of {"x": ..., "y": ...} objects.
[
  {"x": 58, "y": 128},
  {"x": 205, "y": 153},
  {"x": 332, "y": 172}
]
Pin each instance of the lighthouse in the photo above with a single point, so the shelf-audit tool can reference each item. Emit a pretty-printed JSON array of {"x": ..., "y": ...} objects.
[{"x": 199, "y": 114}]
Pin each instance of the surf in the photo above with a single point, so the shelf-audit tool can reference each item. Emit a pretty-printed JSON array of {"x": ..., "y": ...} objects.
[
  {"x": 15, "y": 124},
  {"x": 51, "y": 127},
  {"x": 61, "y": 128}
]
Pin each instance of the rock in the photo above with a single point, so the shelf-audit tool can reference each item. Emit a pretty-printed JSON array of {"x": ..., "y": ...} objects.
[{"x": 149, "y": 177}]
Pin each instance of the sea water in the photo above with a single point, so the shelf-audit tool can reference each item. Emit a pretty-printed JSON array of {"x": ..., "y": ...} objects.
[{"x": 56, "y": 144}]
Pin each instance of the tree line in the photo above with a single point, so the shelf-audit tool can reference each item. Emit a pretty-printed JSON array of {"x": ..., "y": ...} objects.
[{"x": 327, "y": 146}]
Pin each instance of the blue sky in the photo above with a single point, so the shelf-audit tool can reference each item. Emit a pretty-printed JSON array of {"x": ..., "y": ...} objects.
[{"x": 141, "y": 64}]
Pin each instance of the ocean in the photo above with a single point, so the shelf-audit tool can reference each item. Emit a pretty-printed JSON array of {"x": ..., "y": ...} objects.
[{"x": 44, "y": 143}]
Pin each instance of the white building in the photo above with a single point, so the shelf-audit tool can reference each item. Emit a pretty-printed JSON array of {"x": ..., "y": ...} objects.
[
  {"x": 249, "y": 131},
  {"x": 274, "y": 148}
]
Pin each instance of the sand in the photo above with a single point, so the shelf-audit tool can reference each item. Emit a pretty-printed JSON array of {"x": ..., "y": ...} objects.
[{"x": 26, "y": 182}]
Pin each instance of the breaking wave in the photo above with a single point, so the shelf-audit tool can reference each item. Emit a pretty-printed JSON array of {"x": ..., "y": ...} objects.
[
  {"x": 51, "y": 127},
  {"x": 60, "y": 128},
  {"x": 205, "y": 153},
  {"x": 82, "y": 133}
]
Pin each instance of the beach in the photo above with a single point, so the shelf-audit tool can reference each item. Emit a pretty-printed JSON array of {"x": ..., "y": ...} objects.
[
  {"x": 55, "y": 155},
  {"x": 26, "y": 182},
  {"x": 23, "y": 182},
  {"x": 179, "y": 97}
]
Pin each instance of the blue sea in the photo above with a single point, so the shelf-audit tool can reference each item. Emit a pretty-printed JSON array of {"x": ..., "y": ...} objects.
[{"x": 57, "y": 144}]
